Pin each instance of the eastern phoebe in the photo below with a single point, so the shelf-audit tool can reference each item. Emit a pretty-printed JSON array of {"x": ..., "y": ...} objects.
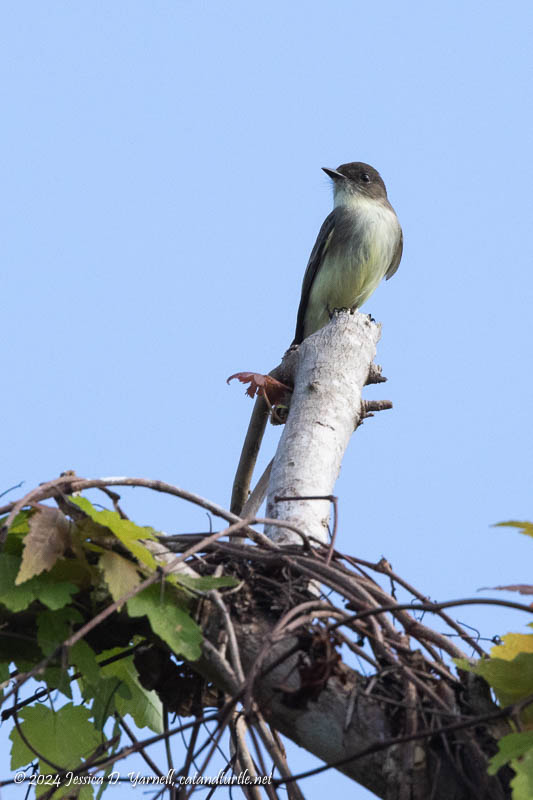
[{"x": 359, "y": 243}]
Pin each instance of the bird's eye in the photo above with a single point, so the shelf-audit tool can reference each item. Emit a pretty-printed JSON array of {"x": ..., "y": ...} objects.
[{"x": 365, "y": 177}]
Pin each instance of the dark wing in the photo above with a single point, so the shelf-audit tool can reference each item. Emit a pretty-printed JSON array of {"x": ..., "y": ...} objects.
[
  {"x": 397, "y": 257},
  {"x": 315, "y": 260}
]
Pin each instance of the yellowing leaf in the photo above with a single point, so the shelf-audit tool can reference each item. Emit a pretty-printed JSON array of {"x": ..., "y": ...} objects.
[
  {"x": 46, "y": 541},
  {"x": 523, "y": 527},
  {"x": 513, "y": 645},
  {"x": 120, "y": 574}
]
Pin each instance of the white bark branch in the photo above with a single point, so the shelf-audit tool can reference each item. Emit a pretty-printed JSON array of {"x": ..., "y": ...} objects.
[{"x": 326, "y": 407}]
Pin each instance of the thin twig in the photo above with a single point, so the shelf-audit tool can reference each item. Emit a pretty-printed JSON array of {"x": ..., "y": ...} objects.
[
  {"x": 230, "y": 630},
  {"x": 277, "y": 756},
  {"x": 124, "y": 725},
  {"x": 243, "y": 757},
  {"x": 189, "y": 756}
]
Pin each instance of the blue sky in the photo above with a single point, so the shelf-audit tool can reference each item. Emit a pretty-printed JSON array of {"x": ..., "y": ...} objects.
[{"x": 161, "y": 192}]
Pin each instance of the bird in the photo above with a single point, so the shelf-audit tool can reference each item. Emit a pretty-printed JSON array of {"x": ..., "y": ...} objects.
[{"x": 360, "y": 243}]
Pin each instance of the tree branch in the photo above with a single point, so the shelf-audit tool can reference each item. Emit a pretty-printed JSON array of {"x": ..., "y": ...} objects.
[{"x": 326, "y": 407}]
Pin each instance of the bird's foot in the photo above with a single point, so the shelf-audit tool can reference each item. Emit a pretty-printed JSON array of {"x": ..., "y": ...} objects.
[{"x": 332, "y": 311}]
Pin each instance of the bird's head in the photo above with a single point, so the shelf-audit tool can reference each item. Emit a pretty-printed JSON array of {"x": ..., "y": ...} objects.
[{"x": 356, "y": 179}]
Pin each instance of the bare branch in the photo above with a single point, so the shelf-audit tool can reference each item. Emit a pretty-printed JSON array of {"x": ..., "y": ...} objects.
[{"x": 326, "y": 407}]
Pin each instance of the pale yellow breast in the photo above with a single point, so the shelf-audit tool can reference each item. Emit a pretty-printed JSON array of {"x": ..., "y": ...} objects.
[{"x": 354, "y": 265}]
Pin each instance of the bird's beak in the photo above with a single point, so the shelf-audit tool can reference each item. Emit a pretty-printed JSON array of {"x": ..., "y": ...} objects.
[{"x": 333, "y": 174}]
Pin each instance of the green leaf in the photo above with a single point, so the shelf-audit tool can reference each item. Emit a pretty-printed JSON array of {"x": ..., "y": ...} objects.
[
  {"x": 42, "y": 587},
  {"x": 522, "y": 783},
  {"x": 128, "y": 532},
  {"x": 58, "y": 679},
  {"x": 20, "y": 523},
  {"x": 53, "y": 595},
  {"x": 64, "y": 736},
  {"x": 524, "y": 527},
  {"x": 83, "y": 657},
  {"x": 205, "y": 584},
  {"x": 53, "y": 627},
  {"x": 143, "y": 705},
  {"x": 171, "y": 623},
  {"x": 15, "y": 598},
  {"x": 511, "y": 680},
  {"x": 465, "y": 664},
  {"x": 514, "y": 745},
  {"x": 14, "y": 543},
  {"x": 104, "y": 705}
]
